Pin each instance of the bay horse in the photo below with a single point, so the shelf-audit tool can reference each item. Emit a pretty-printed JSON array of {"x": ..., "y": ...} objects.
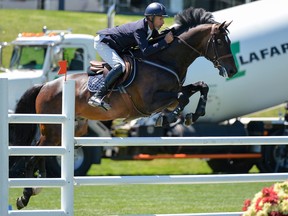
[{"x": 157, "y": 87}]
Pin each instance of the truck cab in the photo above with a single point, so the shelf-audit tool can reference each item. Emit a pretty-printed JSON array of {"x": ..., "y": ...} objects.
[{"x": 35, "y": 58}]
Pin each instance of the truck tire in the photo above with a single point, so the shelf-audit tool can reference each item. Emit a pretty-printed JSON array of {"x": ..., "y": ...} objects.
[
  {"x": 274, "y": 159},
  {"x": 230, "y": 165},
  {"x": 83, "y": 158}
]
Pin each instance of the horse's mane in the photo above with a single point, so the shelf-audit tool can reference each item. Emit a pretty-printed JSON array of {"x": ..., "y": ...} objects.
[{"x": 192, "y": 17}]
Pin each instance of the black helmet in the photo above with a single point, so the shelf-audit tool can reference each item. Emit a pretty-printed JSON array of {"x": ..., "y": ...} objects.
[{"x": 155, "y": 9}]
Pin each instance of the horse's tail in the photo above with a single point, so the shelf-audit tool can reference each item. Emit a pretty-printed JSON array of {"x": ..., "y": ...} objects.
[{"x": 23, "y": 134}]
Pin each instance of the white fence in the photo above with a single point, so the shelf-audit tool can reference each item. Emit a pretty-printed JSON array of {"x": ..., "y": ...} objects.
[
  {"x": 67, "y": 181},
  {"x": 66, "y": 151}
]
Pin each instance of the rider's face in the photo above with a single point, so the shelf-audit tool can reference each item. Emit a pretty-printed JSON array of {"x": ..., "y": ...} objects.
[{"x": 158, "y": 22}]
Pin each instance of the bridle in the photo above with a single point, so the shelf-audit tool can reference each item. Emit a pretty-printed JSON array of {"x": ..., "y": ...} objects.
[{"x": 211, "y": 42}]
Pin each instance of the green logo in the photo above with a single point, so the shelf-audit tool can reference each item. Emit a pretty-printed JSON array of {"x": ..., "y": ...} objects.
[{"x": 235, "y": 48}]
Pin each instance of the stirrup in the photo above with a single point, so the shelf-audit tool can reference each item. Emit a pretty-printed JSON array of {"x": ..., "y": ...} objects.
[{"x": 97, "y": 102}]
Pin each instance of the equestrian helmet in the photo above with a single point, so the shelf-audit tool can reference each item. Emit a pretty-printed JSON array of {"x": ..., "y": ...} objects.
[{"x": 155, "y": 9}]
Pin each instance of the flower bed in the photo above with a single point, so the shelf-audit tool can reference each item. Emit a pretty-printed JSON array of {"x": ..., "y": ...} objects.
[{"x": 270, "y": 201}]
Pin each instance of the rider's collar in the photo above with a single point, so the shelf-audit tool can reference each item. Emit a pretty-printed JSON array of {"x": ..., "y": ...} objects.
[{"x": 149, "y": 32}]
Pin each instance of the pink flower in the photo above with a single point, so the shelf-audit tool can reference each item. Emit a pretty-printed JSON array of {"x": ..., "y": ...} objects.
[
  {"x": 258, "y": 206},
  {"x": 269, "y": 195},
  {"x": 247, "y": 203}
]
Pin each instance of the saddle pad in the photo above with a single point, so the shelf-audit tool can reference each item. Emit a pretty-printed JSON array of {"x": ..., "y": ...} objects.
[{"x": 94, "y": 82}]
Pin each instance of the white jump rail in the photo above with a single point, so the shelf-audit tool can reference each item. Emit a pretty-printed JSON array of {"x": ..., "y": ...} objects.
[
  {"x": 68, "y": 181},
  {"x": 183, "y": 141}
]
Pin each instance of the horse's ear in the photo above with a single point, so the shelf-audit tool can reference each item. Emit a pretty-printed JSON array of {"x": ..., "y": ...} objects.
[
  {"x": 226, "y": 26},
  {"x": 222, "y": 25}
]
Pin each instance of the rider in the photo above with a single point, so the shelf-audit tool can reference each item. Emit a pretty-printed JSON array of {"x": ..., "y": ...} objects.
[{"x": 112, "y": 41}]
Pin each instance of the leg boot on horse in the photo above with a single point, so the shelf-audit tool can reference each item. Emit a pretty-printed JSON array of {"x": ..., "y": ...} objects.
[
  {"x": 97, "y": 100},
  {"x": 35, "y": 167}
]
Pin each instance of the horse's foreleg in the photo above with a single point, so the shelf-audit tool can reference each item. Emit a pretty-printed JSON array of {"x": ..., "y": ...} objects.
[
  {"x": 28, "y": 192},
  {"x": 201, "y": 107}
]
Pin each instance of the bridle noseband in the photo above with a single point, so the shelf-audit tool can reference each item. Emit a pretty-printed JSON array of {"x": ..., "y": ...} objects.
[{"x": 211, "y": 41}]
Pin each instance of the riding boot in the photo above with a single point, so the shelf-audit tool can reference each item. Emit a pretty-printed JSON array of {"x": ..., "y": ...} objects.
[{"x": 97, "y": 100}]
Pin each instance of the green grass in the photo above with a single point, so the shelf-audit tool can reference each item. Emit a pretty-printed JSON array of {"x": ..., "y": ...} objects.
[
  {"x": 148, "y": 199},
  {"x": 159, "y": 166}
]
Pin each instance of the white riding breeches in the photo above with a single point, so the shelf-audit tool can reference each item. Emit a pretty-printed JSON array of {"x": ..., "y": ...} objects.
[{"x": 108, "y": 54}]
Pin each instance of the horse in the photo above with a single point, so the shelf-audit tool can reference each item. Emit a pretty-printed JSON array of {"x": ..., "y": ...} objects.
[{"x": 157, "y": 87}]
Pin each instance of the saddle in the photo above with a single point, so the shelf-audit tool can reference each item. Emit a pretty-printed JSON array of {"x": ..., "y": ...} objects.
[{"x": 100, "y": 67}]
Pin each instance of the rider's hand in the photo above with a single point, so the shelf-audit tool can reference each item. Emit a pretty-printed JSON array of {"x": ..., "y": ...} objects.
[{"x": 169, "y": 37}]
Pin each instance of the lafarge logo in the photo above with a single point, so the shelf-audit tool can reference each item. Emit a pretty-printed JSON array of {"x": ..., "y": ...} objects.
[{"x": 255, "y": 56}]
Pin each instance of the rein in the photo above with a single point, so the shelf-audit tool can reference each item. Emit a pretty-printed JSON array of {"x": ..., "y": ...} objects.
[{"x": 188, "y": 45}]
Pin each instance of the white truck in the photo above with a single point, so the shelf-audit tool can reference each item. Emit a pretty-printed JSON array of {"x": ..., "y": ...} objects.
[{"x": 34, "y": 60}]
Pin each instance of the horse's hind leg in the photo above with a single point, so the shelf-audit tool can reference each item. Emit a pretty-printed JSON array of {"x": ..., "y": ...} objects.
[
  {"x": 30, "y": 172},
  {"x": 16, "y": 167},
  {"x": 51, "y": 135},
  {"x": 27, "y": 192}
]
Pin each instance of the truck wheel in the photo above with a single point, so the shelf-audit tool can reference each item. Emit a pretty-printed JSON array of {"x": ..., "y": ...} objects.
[
  {"x": 274, "y": 159},
  {"x": 230, "y": 165},
  {"x": 82, "y": 162}
]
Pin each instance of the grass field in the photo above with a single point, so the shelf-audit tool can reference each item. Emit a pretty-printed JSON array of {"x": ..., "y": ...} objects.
[
  {"x": 149, "y": 199},
  {"x": 126, "y": 199}
]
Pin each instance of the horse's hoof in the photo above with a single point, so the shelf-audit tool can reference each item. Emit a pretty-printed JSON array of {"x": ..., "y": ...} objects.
[
  {"x": 200, "y": 113},
  {"x": 188, "y": 119},
  {"x": 19, "y": 203},
  {"x": 159, "y": 121}
]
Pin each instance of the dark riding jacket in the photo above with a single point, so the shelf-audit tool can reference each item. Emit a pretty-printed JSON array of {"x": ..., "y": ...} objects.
[{"x": 126, "y": 36}]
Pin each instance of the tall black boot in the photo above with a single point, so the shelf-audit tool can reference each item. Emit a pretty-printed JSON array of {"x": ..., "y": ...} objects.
[{"x": 97, "y": 99}]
